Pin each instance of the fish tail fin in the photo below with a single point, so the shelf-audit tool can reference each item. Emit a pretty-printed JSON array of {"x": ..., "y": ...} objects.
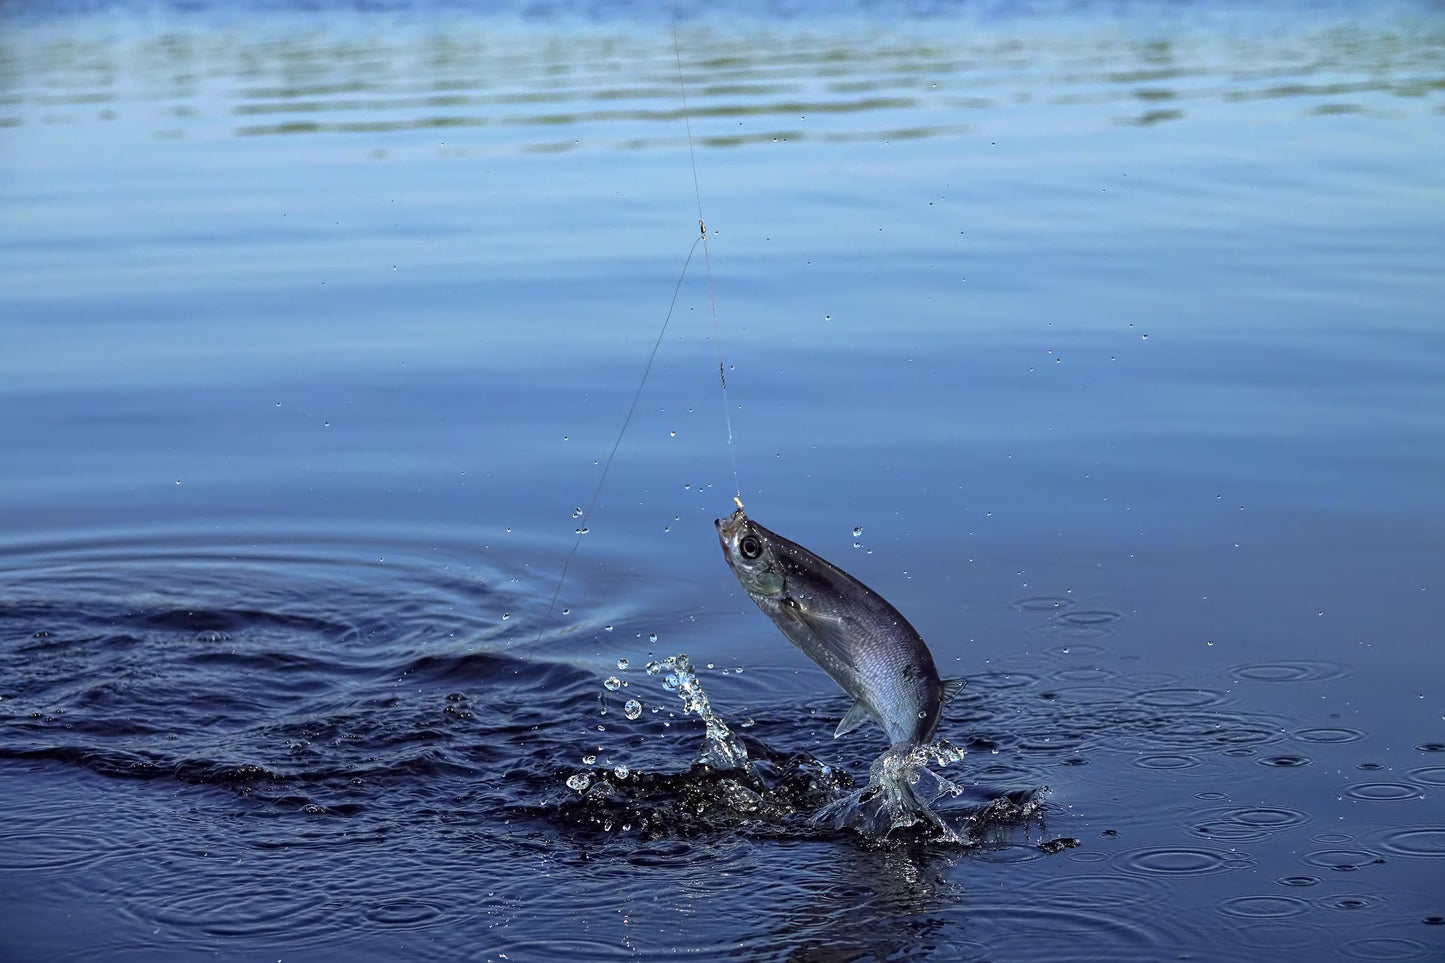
[{"x": 952, "y": 687}]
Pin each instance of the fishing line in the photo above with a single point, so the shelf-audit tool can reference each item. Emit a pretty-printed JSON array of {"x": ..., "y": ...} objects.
[
  {"x": 707, "y": 261},
  {"x": 583, "y": 516}
]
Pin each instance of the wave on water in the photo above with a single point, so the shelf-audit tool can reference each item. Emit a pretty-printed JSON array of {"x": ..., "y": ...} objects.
[{"x": 738, "y": 784}]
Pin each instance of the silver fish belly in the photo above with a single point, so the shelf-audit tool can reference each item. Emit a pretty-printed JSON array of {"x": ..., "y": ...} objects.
[{"x": 848, "y": 629}]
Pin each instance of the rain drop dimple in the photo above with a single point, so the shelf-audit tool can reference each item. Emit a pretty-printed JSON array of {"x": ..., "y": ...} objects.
[{"x": 612, "y": 683}]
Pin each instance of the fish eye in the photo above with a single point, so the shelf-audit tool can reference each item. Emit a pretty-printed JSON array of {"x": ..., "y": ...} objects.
[{"x": 750, "y": 546}]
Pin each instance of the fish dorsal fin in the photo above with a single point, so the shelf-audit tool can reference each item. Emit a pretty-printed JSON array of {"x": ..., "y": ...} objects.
[
  {"x": 854, "y": 718},
  {"x": 952, "y": 687},
  {"x": 834, "y": 633}
]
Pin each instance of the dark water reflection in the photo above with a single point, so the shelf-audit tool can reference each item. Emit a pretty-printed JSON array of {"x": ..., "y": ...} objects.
[{"x": 1104, "y": 340}]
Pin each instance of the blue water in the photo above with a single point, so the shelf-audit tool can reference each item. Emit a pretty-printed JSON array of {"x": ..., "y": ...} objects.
[{"x": 1113, "y": 329}]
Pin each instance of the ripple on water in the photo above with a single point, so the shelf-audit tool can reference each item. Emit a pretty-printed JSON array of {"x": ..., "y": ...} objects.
[
  {"x": 1084, "y": 624},
  {"x": 1182, "y": 861},
  {"x": 1245, "y": 823},
  {"x": 1383, "y": 791},
  {"x": 1299, "y": 880},
  {"x": 1289, "y": 671},
  {"x": 1264, "y": 907},
  {"x": 1420, "y": 842},
  {"x": 1329, "y": 735},
  {"x": 1043, "y": 603},
  {"x": 403, "y": 912},
  {"x": 1010, "y": 929},
  {"x": 1429, "y": 775},
  {"x": 1384, "y": 948},
  {"x": 1166, "y": 761},
  {"x": 51, "y": 850},
  {"x": 1341, "y": 860},
  {"x": 1094, "y": 890},
  {"x": 283, "y": 911},
  {"x": 1001, "y": 680},
  {"x": 1180, "y": 698},
  {"x": 1084, "y": 650},
  {"x": 1349, "y": 901}
]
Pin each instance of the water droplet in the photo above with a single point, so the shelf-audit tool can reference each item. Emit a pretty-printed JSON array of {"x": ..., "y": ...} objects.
[
  {"x": 652, "y": 637},
  {"x": 566, "y": 611},
  {"x": 827, "y": 317},
  {"x": 579, "y": 782},
  {"x": 857, "y": 544},
  {"x": 633, "y": 709},
  {"x": 612, "y": 683},
  {"x": 653, "y": 668},
  {"x": 506, "y": 615},
  {"x": 606, "y": 628},
  {"x": 622, "y": 772},
  {"x": 326, "y": 424},
  {"x": 588, "y": 760},
  {"x": 687, "y": 486},
  {"x": 583, "y": 530},
  {"x": 623, "y": 664},
  {"x": 857, "y": 531},
  {"x": 576, "y": 513},
  {"x": 672, "y": 434}
]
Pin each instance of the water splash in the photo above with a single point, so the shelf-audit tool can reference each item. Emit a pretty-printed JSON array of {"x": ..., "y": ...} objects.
[
  {"x": 721, "y": 750},
  {"x": 899, "y": 795}
]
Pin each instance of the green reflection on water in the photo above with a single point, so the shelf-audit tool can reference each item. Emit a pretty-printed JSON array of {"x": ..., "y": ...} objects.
[{"x": 842, "y": 82}]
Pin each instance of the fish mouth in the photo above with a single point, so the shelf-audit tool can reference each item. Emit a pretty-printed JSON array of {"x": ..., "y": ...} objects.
[{"x": 728, "y": 530}]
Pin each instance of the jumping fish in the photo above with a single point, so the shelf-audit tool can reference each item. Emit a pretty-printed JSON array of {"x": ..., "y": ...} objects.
[{"x": 848, "y": 629}]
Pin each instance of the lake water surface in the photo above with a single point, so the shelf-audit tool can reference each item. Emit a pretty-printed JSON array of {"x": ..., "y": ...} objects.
[{"x": 1105, "y": 340}]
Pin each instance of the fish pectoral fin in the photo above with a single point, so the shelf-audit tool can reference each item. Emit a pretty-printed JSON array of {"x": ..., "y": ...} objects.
[
  {"x": 836, "y": 634},
  {"x": 854, "y": 718},
  {"x": 952, "y": 687}
]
